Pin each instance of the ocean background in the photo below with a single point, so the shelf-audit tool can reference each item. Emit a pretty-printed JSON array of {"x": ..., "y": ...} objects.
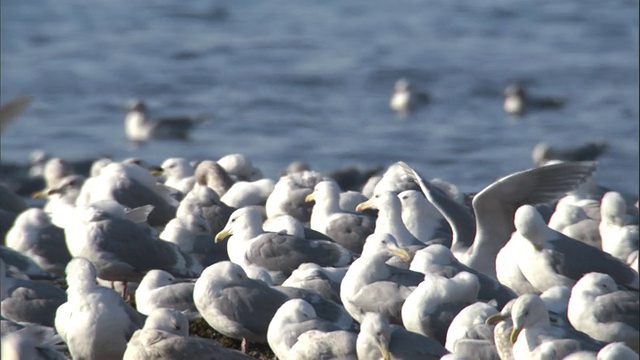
[{"x": 311, "y": 81}]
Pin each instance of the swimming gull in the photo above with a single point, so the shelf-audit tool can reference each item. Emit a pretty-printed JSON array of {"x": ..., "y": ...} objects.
[
  {"x": 599, "y": 309},
  {"x": 165, "y": 336},
  {"x": 406, "y": 99},
  {"x": 346, "y": 228},
  {"x": 517, "y": 101},
  {"x": 95, "y": 322},
  {"x": 28, "y": 300},
  {"x": 431, "y": 307},
  {"x": 389, "y": 219},
  {"x": 378, "y": 339},
  {"x": 123, "y": 250},
  {"x": 139, "y": 127},
  {"x": 548, "y": 258},
  {"x": 292, "y": 319},
  {"x": 495, "y": 206},
  {"x": 619, "y": 238},
  {"x": 34, "y": 235},
  {"x": 438, "y": 260},
  {"x": 278, "y": 253},
  {"x": 588, "y": 151},
  {"x": 372, "y": 285},
  {"x": 159, "y": 289}
]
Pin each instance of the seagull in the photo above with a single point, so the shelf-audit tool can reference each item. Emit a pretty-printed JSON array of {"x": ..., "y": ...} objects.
[
  {"x": 139, "y": 127},
  {"x": 378, "y": 339},
  {"x": 517, "y": 101},
  {"x": 476, "y": 243},
  {"x": 599, "y": 309},
  {"x": 405, "y": 99}
]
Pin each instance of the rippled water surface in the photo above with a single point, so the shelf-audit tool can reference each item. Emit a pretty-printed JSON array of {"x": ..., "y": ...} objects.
[{"x": 311, "y": 80}]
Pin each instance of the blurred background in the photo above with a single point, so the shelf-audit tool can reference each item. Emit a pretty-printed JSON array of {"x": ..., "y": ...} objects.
[{"x": 311, "y": 81}]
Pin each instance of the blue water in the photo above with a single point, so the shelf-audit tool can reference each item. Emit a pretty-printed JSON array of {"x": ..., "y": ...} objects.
[{"x": 311, "y": 80}]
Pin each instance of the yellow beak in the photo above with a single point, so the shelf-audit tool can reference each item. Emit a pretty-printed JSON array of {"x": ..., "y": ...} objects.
[
  {"x": 402, "y": 253},
  {"x": 156, "y": 171},
  {"x": 309, "y": 198},
  {"x": 364, "y": 205},
  {"x": 385, "y": 352},
  {"x": 222, "y": 235},
  {"x": 494, "y": 319},
  {"x": 514, "y": 335}
]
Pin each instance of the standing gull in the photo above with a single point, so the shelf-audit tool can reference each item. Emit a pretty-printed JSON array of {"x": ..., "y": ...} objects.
[
  {"x": 278, "y": 253},
  {"x": 495, "y": 206},
  {"x": 619, "y": 238},
  {"x": 289, "y": 193},
  {"x": 34, "y": 235},
  {"x": 203, "y": 201},
  {"x": 28, "y": 300},
  {"x": 389, "y": 218},
  {"x": 431, "y": 307},
  {"x": 316, "y": 344},
  {"x": 291, "y": 320},
  {"x": 95, "y": 322},
  {"x": 532, "y": 332},
  {"x": 346, "y": 228},
  {"x": 599, "y": 309},
  {"x": 178, "y": 174},
  {"x": 133, "y": 186},
  {"x": 32, "y": 342},
  {"x": 240, "y": 167},
  {"x": 211, "y": 174},
  {"x": 469, "y": 335},
  {"x": 422, "y": 219},
  {"x": 123, "y": 250},
  {"x": 235, "y": 305},
  {"x": 438, "y": 260},
  {"x": 548, "y": 258},
  {"x": 159, "y": 289},
  {"x": 139, "y": 127},
  {"x": 165, "y": 336},
  {"x": 372, "y": 285},
  {"x": 378, "y": 339}
]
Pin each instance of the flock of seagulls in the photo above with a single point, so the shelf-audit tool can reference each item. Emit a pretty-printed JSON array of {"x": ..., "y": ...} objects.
[
  {"x": 516, "y": 100},
  {"x": 116, "y": 263}
]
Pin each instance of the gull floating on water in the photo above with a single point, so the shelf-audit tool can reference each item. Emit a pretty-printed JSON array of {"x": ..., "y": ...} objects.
[{"x": 139, "y": 127}]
